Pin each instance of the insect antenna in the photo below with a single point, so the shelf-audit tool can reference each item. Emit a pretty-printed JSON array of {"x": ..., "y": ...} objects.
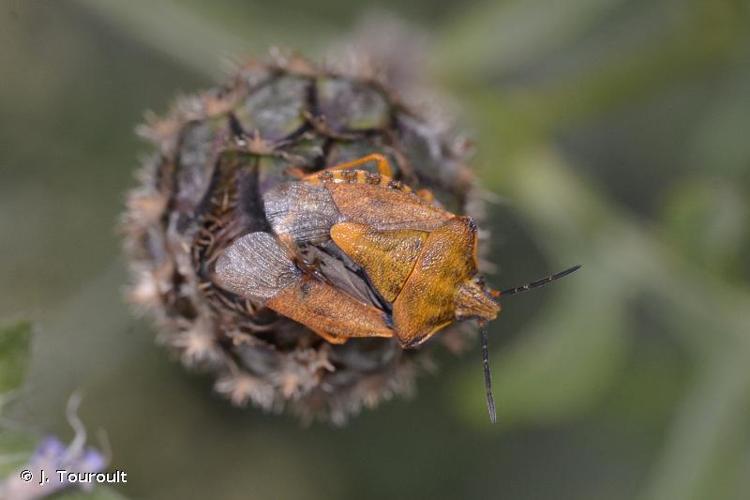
[
  {"x": 537, "y": 283},
  {"x": 483, "y": 332},
  {"x": 487, "y": 372}
]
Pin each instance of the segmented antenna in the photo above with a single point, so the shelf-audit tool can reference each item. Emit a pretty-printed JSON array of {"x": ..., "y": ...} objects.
[
  {"x": 487, "y": 373},
  {"x": 537, "y": 283},
  {"x": 483, "y": 333}
]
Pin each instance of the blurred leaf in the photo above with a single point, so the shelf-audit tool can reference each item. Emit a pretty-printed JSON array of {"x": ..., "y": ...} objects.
[
  {"x": 15, "y": 342},
  {"x": 561, "y": 367},
  {"x": 652, "y": 383},
  {"x": 98, "y": 493},
  {"x": 172, "y": 30},
  {"x": 720, "y": 144},
  {"x": 714, "y": 316},
  {"x": 695, "y": 43},
  {"x": 15, "y": 449},
  {"x": 576, "y": 223},
  {"x": 500, "y": 34},
  {"x": 15, "y": 446},
  {"x": 206, "y": 36},
  {"x": 708, "y": 437},
  {"x": 710, "y": 220}
]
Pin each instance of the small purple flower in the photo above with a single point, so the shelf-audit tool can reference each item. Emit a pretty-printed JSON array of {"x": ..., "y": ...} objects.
[{"x": 40, "y": 478}]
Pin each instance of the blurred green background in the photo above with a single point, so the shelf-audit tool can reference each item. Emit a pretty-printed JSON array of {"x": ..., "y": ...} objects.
[{"x": 615, "y": 133}]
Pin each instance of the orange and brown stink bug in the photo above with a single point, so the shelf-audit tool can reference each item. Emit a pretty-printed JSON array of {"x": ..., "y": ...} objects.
[{"x": 419, "y": 260}]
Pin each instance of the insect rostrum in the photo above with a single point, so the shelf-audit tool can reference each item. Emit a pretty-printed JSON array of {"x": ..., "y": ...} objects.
[{"x": 300, "y": 285}]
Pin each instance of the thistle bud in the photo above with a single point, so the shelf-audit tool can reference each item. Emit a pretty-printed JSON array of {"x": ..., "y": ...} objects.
[{"x": 216, "y": 155}]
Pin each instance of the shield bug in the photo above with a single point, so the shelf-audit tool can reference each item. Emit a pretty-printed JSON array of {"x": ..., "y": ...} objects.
[
  {"x": 237, "y": 196},
  {"x": 418, "y": 260}
]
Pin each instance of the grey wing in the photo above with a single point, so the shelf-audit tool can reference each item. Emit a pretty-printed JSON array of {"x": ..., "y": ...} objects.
[
  {"x": 341, "y": 272},
  {"x": 255, "y": 266},
  {"x": 303, "y": 211}
]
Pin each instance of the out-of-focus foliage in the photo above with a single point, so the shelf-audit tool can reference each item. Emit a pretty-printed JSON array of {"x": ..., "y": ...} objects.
[
  {"x": 96, "y": 494},
  {"x": 15, "y": 341},
  {"x": 15, "y": 445},
  {"x": 614, "y": 133}
]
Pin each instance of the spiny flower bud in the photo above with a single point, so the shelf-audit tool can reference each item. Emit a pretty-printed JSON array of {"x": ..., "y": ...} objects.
[{"x": 217, "y": 153}]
